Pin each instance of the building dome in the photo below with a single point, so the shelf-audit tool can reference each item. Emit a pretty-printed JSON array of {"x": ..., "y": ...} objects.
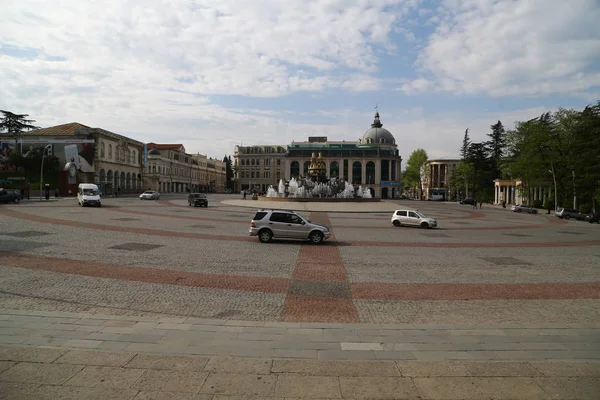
[
  {"x": 377, "y": 134},
  {"x": 154, "y": 152}
]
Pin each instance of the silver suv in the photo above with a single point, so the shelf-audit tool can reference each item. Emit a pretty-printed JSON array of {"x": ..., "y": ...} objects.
[{"x": 269, "y": 224}]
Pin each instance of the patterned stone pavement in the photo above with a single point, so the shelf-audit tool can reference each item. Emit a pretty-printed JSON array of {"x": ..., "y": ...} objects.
[{"x": 180, "y": 303}]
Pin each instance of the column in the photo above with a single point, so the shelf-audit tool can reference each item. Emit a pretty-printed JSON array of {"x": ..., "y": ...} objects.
[
  {"x": 364, "y": 172},
  {"x": 495, "y": 194},
  {"x": 378, "y": 173},
  {"x": 341, "y": 168},
  {"x": 439, "y": 175},
  {"x": 350, "y": 161},
  {"x": 390, "y": 172}
]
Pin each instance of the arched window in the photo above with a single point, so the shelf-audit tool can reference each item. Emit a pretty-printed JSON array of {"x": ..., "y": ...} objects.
[
  {"x": 356, "y": 172},
  {"x": 102, "y": 149},
  {"x": 305, "y": 168},
  {"x": 110, "y": 151},
  {"x": 334, "y": 169},
  {"x": 370, "y": 171},
  {"x": 294, "y": 169}
]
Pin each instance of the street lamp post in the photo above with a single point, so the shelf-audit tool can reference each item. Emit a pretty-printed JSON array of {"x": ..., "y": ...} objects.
[
  {"x": 555, "y": 192},
  {"x": 46, "y": 147}
]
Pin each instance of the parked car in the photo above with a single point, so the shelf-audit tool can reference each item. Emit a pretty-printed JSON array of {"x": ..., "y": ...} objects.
[
  {"x": 150, "y": 195},
  {"x": 468, "y": 201},
  {"x": 412, "y": 218},
  {"x": 593, "y": 217},
  {"x": 522, "y": 208},
  {"x": 197, "y": 199},
  {"x": 9, "y": 196},
  {"x": 269, "y": 224},
  {"x": 568, "y": 213}
]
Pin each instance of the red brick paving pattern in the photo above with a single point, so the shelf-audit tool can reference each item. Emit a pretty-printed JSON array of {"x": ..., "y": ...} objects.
[
  {"x": 319, "y": 263},
  {"x": 144, "y": 274},
  {"x": 191, "y": 235}
]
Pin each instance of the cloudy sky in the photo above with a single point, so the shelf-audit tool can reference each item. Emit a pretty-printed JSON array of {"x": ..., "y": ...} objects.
[{"x": 215, "y": 73}]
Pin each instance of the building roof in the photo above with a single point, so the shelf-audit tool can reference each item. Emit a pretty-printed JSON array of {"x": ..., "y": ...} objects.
[
  {"x": 76, "y": 129},
  {"x": 165, "y": 146},
  {"x": 377, "y": 134},
  {"x": 70, "y": 129}
]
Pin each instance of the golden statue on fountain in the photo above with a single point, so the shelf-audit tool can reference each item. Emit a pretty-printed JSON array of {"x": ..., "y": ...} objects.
[{"x": 317, "y": 169}]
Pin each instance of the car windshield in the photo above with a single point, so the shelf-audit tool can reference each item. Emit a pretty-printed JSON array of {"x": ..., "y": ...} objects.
[
  {"x": 90, "y": 192},
  {"x": 198, "y": 196},
  {"x": 148, "y": 192},
  {"x": 420, "y": 214}
]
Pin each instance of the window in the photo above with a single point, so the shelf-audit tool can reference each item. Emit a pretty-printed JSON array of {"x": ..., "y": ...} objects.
[
  {"x": 110, "y": 151},
  {"x": 267, "y": 174},
  {"x": 253, "y": 161},
  {"x": 278, "y": 162},
  {"x": 259, "y": 215},
  {"x": 267, "y": 162},
  {"x": 401, "y": 213},
  {"x": 102, "y": 149},
  {"x": 278, "y": 217},
  {"x": 133, "y": 159},
  {"x": 413, "y": 214},
  {"x": 294, "y": 219}
]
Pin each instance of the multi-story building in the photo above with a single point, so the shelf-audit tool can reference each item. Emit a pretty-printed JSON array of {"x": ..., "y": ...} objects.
[
  {"x": 438, "y": 176},
  {"x": 108, "y": 159},
  {"x": 373, "y": 161},
  {"x": 171, "y": 170}
]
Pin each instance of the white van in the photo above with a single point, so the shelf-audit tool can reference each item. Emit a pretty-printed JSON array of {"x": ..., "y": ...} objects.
[{"x": 88, "y": 195}]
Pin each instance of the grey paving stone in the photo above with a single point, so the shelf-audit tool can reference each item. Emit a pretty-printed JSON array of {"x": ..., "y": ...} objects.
[
  {"x": 171, "y": 381},
  {"x": 378, "y": 387},
  {"x": 98, "y": 358},
  {"x": 501, "y": 368},
  {"x": 83, "y": 343},
  {"x": 336, "y": 368},
  {"x": 239, "y": 384},
  {"x": 153, "y": 395},
  {"x": 567, "y": 368},
  {"x": 239, "y": 365},
  {"x": 179, "y": 327},
  {"x": 45, "y": 341},
  {"x": 346, "y": 355},
  {"x": 52, "y": 374},
  {"x": 435, "y": 368},
  {"x": 47, "y": 392},
  {"x": 454, "y": 355},
  {"x": 12, "y": 339},
  {"x": 178, "y": 363},
  {"x": 114, "y": 346},
  {"x": 17, "y": 390},
  {"x": 304, "y": 345},
  {"x": 308, "y": 386},
  {"x": 447, "y": 388},
  {"x": 584, "y": 388},
  {"x": 30, "y": 354},
  {"x": 394, "y": 355},
  {"x": 115, "y": 377},
  {"x": 259, "y": 336},
  {"x": 289, "y": 353},
  {"x": 4, "y": 365},
  {"x": 510, "y": 388}
]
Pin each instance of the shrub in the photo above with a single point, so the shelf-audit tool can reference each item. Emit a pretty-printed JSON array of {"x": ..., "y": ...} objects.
[
  {"x": 537, "y": 204},
  {"x": 549, "y": 204},
  {"x": 585, "y": 208}
]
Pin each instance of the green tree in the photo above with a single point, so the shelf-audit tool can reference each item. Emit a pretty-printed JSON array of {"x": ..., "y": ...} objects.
[
  {"x": 495, "y": 148},
  {"x": 228, "y": 172},
  {"x": 464, "y": 149},
  {"x": 14, "y": 124},
  {"x": 415, "y": 170}
]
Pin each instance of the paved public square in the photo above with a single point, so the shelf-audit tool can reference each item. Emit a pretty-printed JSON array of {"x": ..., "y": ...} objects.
[{"x": 488, "y": 289}]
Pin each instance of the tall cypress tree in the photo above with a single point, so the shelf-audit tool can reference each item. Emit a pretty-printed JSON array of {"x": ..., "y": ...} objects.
[
  {"x": 495, "y": 148},
  {"x": 464, "y": 149}
]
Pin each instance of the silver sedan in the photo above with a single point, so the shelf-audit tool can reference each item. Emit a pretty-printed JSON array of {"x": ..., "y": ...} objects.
[{"x": 150, "y": 195}]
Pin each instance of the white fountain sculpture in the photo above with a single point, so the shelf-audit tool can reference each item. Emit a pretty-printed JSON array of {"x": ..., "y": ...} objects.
[
  {"x": 367, "y": 194},
  {"x": 359, "y": 192},
  {"x": 281, "y": 188},
  {"x": 293, "y": 187},
  {"x": 272, "y": 192}
]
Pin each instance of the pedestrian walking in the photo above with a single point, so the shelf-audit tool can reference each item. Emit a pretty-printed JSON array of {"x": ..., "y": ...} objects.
[
  {"x": 480, "y": 204},
  {"x": 244, "y": 195}
]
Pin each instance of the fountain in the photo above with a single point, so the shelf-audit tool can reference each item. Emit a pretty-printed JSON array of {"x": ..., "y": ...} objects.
[{"x": 318, "y": 187}]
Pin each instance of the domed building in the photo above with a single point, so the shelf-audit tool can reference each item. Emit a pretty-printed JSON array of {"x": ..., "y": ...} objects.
[{"x": 373, "y": 162}]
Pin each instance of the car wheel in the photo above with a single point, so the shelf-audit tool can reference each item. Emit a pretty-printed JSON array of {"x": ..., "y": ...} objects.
[
  {"x": 519, "y": 210},
  {"x": 99, "y": 204},
  {"x": 534, "y": 212},
  {"x": 316, "y": 237},
  {"x": 567, "y": 217},
  {"x": 265, "y": 236},
  {"x": 397, "y": 224},
  {"x": 424, "y": 225}
]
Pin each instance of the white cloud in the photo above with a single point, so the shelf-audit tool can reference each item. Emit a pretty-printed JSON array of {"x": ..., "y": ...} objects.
[{"x": 520, "y": 47}]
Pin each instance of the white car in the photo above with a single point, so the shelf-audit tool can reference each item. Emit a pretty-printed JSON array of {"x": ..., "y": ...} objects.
[
  {"x": 150, "y": 195},
  {"x": 412, "y": 218}
]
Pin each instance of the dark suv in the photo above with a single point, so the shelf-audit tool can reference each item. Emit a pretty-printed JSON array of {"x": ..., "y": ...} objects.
[
  {"x": 568, "y": 213},
  {"x": 468, "y": 201},
  {"x": 593, "y": 217},
  {"x": 197, "y": 199}
]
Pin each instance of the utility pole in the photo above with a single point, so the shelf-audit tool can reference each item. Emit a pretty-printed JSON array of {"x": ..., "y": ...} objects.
[
  {"x": 574, "y": 192},
  {"x": 555, "y": 192}
]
